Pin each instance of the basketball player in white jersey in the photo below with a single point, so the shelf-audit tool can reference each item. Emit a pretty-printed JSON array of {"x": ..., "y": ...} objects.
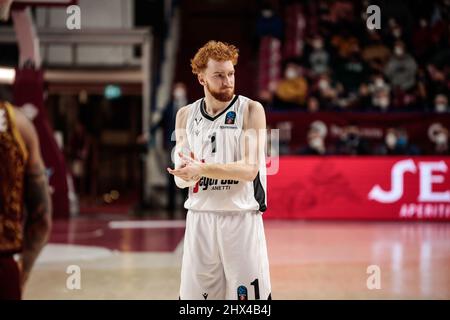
[{"x": 220, "y": 156}]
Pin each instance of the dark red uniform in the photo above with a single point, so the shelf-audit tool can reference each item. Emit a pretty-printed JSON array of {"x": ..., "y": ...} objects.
[{"x": 13, "y": 159}]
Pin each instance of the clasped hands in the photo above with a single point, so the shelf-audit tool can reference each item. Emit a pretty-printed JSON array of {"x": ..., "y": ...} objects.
[{"x": 190, "y": 168}]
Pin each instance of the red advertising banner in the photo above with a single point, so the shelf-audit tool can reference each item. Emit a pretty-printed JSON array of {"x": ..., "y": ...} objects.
[{"x": 368, "y": 188}]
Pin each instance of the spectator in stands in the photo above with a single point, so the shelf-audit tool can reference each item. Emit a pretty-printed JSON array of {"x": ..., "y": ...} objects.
[
  {"x": 344, "y": 42},
  {"x": 319, "y": 58},
  {"x": 390, "y": 142},
  {"x": 401, "y": 68},
  {"x": 441, "y": 103},
  {"x": 404, "y": 145},
  {"x": 285, "y": 136},
  {"x": 395, "y": 33},
  {"x": 313, "y": 104},
  {"x": 439, "y": 136},
  {"x": 404, "y": 100},
  {"x": 327, "y": 91},
  {"x": 396, "y": 142},
  {"x": 422, "y": 90},
  {"x": 421, "y": 40},
  {"x": 375, "y": 53},
  {"x": 269, "y": 23},
  {"x": 365, "y": 101},
  {"x": 375, "y": 94},
  {"x": 341, "y": 10},
  {"x": 165, "y": 120},
  {"x": 292, "y": 90},
  {"x": 352, "y": 70},
  {"x": 351, "y": 142},
  {"x": 80, "y": 157},
  {"x": 315, "y": 140},
  {"x": 437, "y": 80},
  {"x": 439, "y": 22}
]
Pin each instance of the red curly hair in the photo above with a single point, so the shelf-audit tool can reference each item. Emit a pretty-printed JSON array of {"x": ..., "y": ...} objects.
[{"x": 217, "y": 50}]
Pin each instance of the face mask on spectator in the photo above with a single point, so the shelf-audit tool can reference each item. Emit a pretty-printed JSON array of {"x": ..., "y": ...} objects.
[
  {"x": 383, "y": 103},
  {"x": 441, "y": 138},
  {"x": 317, "y": 44},
  {"x": 316, "y": 143},
  {"x": 399, "y": 51},
  {"x": 397, "y": 33},
  {"x": 391, "y": 140},
  {"x": 324, "y": 84},
  {"x": 401, "y": 141},
  {"x": 440, "y": 107},
  {"x": 267, "y": 13},
  {"x": 379, "y": 82},
  {"x": 291, "y": 73},
  {"x": 179, "y": 93}
]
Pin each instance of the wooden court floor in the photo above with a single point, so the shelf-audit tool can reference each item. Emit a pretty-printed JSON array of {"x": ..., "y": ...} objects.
[{"x": 140, "y": 259}]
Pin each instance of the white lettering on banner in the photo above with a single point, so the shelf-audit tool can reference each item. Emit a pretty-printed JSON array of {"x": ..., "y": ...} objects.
[
  {"x": 398, "y": 170},
  {"x": 424, "y": 211},
  {"x": 427, "y": 179}
]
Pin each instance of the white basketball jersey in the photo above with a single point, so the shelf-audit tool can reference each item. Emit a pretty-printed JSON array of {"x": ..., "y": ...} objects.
[{"x": 218, "y": 140}]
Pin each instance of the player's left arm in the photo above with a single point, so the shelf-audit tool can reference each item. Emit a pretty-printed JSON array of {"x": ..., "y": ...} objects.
[{"x": 245, "y": 169}]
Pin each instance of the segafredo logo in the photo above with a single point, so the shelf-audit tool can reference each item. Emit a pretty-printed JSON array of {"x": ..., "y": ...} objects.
[{"x": 430, "y": 173}]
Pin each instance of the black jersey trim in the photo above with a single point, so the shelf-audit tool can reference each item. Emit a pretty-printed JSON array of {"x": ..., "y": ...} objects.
[
  {"x": 207, "y": 116},
  {"x": 260, "y": 194}
]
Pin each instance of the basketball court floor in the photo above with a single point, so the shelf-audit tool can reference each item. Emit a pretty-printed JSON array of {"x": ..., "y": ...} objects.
[{"x": 141, "y": 259}]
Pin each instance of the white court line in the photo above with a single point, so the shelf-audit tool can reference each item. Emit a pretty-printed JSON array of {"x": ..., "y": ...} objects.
[{"x": 147, "y": 224}]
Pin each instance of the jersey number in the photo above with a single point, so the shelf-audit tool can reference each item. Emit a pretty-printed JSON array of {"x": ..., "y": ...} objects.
[
  {"x": 255, "y": 283},
  {"x": 212, "y": 137}
]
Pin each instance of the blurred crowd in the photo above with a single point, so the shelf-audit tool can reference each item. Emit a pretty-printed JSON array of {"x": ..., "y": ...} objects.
[
  {"x": 343, "y": 65},
  {"x": 350, "y": 141}
]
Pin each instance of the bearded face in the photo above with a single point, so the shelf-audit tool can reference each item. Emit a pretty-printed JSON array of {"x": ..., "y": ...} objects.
[
  {"x": 218, "y": 79},
  {"x": 223, "y": 94}
]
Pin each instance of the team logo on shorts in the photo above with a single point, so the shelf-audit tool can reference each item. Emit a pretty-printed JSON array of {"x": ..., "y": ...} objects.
[
  {"x": 242, "y": 293},
  {"x": 230, "y": 117}
]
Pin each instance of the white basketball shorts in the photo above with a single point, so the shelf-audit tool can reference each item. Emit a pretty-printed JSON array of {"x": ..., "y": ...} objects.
[{"x": 225, "y": 257}]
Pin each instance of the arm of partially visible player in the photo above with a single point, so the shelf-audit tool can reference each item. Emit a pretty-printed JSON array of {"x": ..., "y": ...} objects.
[
  {"x": 245, "y": 169},
  {"x": 181, "y": 145},
  {"x": 37, "y": 199}
]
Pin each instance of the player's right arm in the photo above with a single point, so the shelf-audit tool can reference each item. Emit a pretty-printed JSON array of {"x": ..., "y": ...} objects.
[
  {"x": 36, "y": 196},
  {"x": 181, "y": 145}
]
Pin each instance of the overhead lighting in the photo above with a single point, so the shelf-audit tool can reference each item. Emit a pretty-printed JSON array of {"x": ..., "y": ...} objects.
[{"x": 7, "y": 75}]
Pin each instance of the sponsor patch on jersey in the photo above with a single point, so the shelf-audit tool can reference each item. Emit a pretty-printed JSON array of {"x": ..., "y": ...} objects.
[{"x": 230, "y": 117}]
